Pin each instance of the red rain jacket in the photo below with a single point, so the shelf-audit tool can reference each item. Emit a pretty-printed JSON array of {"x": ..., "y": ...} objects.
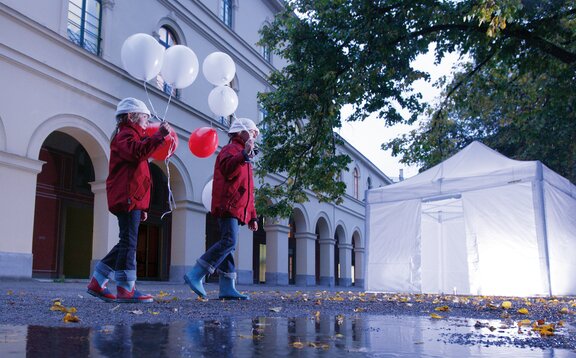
[
  {"x": 233, "y": 184},
  {"x": 128, "y": 183}
]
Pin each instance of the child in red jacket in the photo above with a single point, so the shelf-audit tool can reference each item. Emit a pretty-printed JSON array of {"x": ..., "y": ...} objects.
[
  {"x": 128, "y": 191},
  {"x": 233, "y": 205}
]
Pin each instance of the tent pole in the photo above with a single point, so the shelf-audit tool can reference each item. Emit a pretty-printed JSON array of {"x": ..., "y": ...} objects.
[{"x": 541, "y": 227}]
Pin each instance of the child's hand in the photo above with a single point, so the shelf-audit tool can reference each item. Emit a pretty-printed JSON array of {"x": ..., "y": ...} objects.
[{"x": 164, "y": 129}]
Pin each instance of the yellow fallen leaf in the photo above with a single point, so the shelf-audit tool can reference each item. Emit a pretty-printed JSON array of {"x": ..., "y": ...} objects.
[
  {"x": 358, "y": 309},
  {"x": 298, "y": 345},
  {"x": 506, "y": 305},
  {"x": 442, "y": 308},
  {"x": 523, "y": 310},
  {"x": 162, "y": 294},
  {"x": 70, "y": 318},
  {"x": 524, "y": 322},
  {"x": 564, "y": 310},
  {"x": 435, "y": 316}
]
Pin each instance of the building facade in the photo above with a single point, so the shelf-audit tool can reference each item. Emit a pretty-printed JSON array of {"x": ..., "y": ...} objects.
[{"x": 62, "y": 68}]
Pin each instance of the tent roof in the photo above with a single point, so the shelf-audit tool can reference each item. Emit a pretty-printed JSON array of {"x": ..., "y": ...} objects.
[{"x": 474, "y": 167}]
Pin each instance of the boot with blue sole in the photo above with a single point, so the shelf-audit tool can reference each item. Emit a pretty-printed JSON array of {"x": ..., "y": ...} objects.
[
  {"x": 194, "y": 280},
  {"x": 228, "y": 290}
]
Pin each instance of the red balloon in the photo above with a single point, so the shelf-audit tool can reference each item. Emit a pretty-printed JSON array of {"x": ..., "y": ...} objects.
[
  {"x": 203, "y": 142},
  {"x": 166, "y": 149}
]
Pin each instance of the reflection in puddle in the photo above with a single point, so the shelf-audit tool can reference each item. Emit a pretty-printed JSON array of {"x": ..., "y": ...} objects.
[{"x": 339, "y": 336}]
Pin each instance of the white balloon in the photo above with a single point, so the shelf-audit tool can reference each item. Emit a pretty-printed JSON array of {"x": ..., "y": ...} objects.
[
  {"x": 180, "y": 66},
  {"x": 219, "y": 68},
  {"x": 223, "y": 101},
  {"x": 207, "y": 195},
  {"x": 142, "y": 56}
]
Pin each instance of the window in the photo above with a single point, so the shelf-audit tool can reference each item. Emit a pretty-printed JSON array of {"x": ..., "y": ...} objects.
[
  {"x": 369, "y": 183},
  {"x": 166, "y": 38},
  {"x": 266, "y": 54},
  {"x": 262, "y": 113},
  {"x": 84, "y": 24},
  {"x": 356, "y": 183},
  {"x": 226, "y": 12}
]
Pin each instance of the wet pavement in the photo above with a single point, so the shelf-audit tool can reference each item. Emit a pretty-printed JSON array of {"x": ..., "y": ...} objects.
[{"x": 39, "y": 319}]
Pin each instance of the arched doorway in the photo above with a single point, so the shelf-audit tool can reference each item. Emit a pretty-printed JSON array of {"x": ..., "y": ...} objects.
[
  {"x": 292, "y": 252},
  {"x": 64, "y": 210},
  {"x": 212, "y": 236},
  {"x": 259, "y": 253},
  {"x": 154, "y": 234}
]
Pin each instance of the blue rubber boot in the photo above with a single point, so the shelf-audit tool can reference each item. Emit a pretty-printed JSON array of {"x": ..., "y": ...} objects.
[
  {"x": 194, "y": 280},
  {"x": 228, "y": 289}
]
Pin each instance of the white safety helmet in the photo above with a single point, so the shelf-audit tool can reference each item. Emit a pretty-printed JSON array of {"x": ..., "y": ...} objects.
[
  {"x": 242, "y": 124},
  {"x": 131, "y": 105}
]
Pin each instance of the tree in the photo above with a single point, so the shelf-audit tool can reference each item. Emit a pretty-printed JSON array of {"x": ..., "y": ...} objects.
[{"x": 515, "y": 55}]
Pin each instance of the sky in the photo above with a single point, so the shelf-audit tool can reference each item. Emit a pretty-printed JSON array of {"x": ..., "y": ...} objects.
[{"x": 367, "y": 136}]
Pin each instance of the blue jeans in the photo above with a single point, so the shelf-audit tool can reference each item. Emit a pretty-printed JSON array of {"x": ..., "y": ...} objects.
[
  {"x": 220, "y": 255},
  {"x": 122, "y": 258}
]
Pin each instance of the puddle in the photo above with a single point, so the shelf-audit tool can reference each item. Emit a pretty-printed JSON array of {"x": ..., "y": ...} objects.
[{"x": 323, "y": 336}]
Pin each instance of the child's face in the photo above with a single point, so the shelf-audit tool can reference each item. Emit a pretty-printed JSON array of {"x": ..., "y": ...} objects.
[
  {"x": 249, "y": 134},
  {"x": 142, "y": 120}
]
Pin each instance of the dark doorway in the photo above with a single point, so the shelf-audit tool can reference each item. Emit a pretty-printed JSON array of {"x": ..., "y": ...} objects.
[
  {"x": 259, "y": 253},
  {"x": 292, "y": 252},
  {"x": 154, "y": 235},
  {"x": 64, "y": 210},
  {"x": 212, "y": 236}
]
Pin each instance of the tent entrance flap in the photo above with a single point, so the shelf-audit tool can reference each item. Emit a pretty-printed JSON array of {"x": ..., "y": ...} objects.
[{"x": 443, "y": 247}]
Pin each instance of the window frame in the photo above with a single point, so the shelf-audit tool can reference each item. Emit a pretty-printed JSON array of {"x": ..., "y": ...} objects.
[
  {"x": 226, "y": 12},
  {"x": 90, "y": 46}
]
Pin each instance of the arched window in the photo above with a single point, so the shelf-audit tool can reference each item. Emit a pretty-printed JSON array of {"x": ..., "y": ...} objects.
[
  {"x": 356, "y": 183},
  {"x": 166, "y": 38}
]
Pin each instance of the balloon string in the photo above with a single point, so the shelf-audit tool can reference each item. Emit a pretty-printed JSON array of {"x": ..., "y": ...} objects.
[
  {"x": 171, "y": 201},
  {"x": 154, "y": 113},
  {"x": 167, "y": 105}
]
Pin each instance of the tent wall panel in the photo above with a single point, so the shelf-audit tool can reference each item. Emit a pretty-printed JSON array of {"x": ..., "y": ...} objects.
[
  {"x": 394, "y": 254},
  {"x": 561, "y": 213},
  {"x": 503, "y": 222}
]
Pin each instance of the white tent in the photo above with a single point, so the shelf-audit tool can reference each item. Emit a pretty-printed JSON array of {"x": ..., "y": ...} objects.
[{"x": 477, "y": 223}]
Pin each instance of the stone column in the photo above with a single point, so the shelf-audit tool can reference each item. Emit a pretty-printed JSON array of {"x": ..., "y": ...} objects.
[
  {"x": 277, "y": 253},
  {"x": 327, "y": 262},
  {"x": 305, "y": 259},
  {"x": 105, "y": 232},
  {"x": 107, "y": 25},
  {"x": 359, "y": 267},
  {"x": 188, "y": 237},
  {"x": 345, "y": 265},
  {"x": 243, "y": 256},
  {"x": 18, "y": 194}
]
